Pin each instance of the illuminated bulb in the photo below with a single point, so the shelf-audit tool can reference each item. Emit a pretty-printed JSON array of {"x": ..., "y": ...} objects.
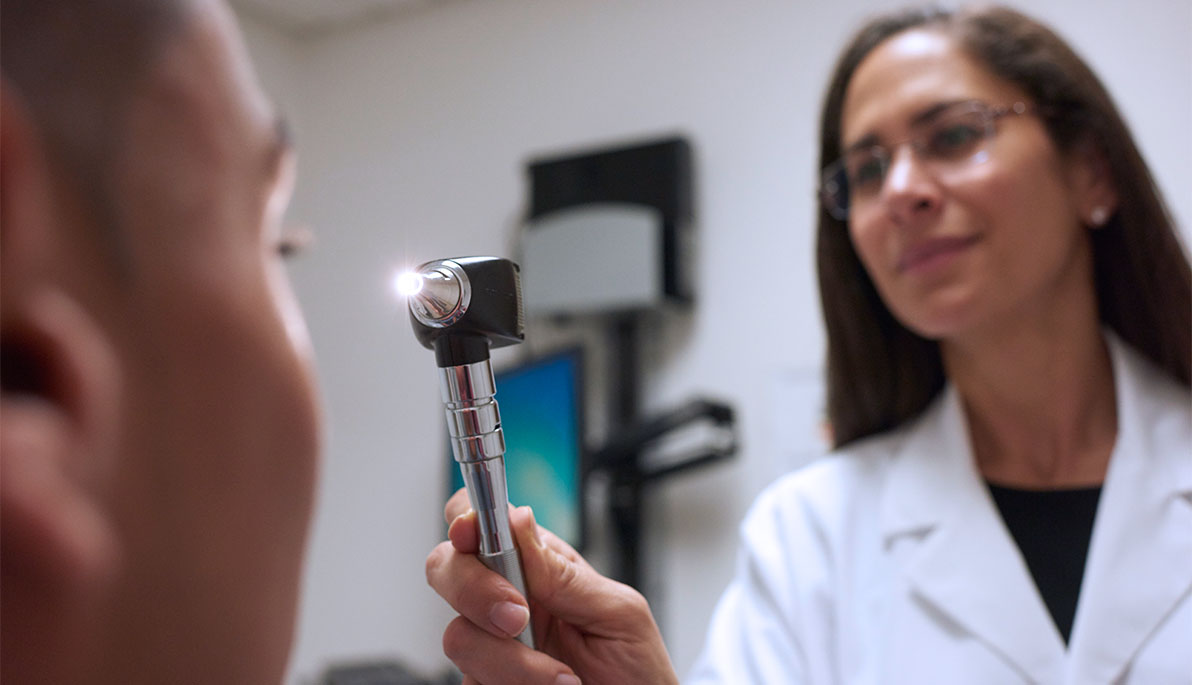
[
  {"x": 438, "y": 294},
  {"x": 407, "y": 283}
]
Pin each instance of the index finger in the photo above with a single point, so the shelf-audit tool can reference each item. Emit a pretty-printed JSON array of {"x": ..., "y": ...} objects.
[{"x": 457, "y": 505}]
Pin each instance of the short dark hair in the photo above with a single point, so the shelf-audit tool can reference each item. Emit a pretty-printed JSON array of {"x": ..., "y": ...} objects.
[
  {"x": 880, "y": 373},
  {"x": 75, "y": 63}
]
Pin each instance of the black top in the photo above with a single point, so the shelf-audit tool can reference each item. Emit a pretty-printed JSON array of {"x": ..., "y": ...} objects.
[{"x": 1052, "y": 529}]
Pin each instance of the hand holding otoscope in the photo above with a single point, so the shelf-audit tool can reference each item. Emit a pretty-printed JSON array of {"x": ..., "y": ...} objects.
[
  {"x": 600, "y": 630},
  {"x": 461, "y": 308}
]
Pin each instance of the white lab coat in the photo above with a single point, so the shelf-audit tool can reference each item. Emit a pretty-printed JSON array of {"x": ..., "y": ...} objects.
[{"x": 889, "y": 563}]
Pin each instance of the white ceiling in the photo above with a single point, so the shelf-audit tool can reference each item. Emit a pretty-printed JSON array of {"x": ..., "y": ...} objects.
[{"x": 309, "y": 17}]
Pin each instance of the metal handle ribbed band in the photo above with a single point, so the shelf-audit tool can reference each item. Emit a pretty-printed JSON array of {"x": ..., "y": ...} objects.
[{"x": 473, "y": 418}]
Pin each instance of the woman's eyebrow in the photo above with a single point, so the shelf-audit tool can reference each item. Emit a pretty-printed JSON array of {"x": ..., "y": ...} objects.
[
  {"x": 923, "y": 116},
  {"x": 929, "y": 113}
]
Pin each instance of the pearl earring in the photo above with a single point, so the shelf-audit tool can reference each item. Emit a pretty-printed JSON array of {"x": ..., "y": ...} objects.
[{"x": 1099, "y": 216}]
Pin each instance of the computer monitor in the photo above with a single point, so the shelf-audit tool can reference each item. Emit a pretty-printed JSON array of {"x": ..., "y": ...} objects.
[{"x": 541, "y": 407}]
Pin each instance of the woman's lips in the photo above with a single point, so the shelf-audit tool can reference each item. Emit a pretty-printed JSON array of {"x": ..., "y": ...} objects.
[{"x": 933, "y": 252}]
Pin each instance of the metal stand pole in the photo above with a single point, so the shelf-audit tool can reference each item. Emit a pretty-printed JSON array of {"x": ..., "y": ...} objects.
[{"x": 625, "y": 504}]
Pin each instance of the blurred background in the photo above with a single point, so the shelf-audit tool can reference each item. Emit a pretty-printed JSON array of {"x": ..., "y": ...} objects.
[{"x": 415, "y": 120}]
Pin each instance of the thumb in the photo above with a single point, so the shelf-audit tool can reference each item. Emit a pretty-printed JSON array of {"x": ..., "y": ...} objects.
[{"x": 563, "y": 584}]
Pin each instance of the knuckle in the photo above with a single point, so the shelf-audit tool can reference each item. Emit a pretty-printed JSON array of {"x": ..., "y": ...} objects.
[
  {"x": 633, "y": 602},
  {"x": 435, "y": 561},
  {"x": 567, "y": 577}
]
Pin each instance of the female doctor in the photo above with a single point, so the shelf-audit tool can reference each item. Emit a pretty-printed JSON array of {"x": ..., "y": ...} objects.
[{"x": 1009, "y": 314}]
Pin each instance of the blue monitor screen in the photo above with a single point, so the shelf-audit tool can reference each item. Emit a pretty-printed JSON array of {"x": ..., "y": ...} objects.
[{"x": 542, "y": 418}]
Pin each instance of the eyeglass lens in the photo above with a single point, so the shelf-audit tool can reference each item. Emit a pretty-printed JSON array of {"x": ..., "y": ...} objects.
[{"x": 954, "y": 138}]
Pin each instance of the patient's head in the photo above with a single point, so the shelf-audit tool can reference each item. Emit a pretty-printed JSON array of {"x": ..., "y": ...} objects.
[{"x": 159, "y": 426}]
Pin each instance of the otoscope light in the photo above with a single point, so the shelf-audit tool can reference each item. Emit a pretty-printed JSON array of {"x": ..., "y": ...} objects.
[
  {"x": 407, "y": 283},
  {"x": 439, "y": 293}
]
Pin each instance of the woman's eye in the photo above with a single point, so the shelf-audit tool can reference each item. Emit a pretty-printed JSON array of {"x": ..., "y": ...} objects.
[
  {"x": 865, "y": 172},
  {"x": 954, "y": 139}
]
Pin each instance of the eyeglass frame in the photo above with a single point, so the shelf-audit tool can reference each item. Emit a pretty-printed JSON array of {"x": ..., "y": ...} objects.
[{"x": 885, "y": 153}]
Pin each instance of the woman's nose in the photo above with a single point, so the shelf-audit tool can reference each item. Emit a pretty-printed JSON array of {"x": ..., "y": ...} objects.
[{"x": 909, "y": 186}]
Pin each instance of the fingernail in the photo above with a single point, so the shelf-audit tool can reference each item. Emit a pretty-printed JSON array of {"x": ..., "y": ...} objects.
[
  {"x": 510, "y": 618},
  {"x": 566, "y": 679}
]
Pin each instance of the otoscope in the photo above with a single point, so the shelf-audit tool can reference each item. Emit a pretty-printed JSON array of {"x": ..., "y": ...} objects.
[{"x": 461, "y": 308}]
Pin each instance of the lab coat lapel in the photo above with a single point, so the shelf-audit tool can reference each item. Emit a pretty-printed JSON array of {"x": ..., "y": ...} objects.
[
  {"x": 944, "y": 531},
  {"x": 1140, "y": 555}
]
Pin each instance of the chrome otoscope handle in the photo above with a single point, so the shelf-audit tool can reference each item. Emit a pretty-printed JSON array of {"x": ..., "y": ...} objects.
[{"x": 474, "y": 425}]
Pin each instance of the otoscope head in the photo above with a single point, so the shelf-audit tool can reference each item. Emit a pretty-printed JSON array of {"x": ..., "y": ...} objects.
[{"x": 462, "y": 307}]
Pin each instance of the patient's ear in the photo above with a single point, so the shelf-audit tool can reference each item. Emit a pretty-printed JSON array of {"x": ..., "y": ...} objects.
[{"x": 59, "y": 398}]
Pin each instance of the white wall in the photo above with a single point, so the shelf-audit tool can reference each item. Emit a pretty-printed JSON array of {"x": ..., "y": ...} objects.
[{"x": 412, "y": 134}]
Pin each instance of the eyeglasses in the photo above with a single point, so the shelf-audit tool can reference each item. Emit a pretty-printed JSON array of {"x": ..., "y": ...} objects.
[{"x": 955, "y": 137}]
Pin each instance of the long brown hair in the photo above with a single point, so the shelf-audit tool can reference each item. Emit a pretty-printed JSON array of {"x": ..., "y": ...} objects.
[{"x": 880, "y": 373}]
